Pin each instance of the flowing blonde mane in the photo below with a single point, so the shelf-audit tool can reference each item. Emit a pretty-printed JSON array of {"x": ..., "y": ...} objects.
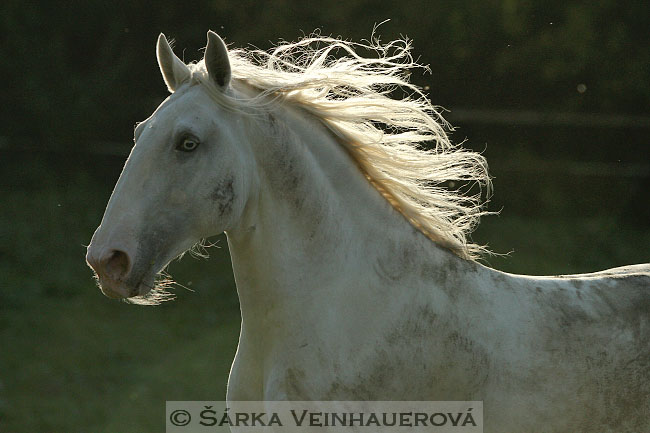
[{"x": 400, "y": 144}]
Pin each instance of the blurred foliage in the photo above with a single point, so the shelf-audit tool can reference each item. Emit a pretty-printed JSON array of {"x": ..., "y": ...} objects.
[{"x": 77, "y": 69}]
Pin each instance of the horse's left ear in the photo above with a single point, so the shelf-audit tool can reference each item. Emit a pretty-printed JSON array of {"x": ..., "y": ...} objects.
[{"x": 216, "y": 60}]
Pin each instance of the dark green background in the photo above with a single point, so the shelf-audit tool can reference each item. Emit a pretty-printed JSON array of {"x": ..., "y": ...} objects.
[{"x": 571, "y": 179}]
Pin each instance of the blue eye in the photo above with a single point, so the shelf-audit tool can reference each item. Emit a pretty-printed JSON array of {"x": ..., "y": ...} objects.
[{"x": 187, "y": 144}]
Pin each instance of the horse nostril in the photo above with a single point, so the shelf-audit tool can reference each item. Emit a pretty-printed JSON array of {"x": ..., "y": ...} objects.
[{"x": 116, "y": 265}]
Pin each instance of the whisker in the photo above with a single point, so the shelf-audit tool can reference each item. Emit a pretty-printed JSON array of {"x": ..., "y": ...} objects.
[
  {"x": 158, "y": 292},
  {"x": 200, "y": 249}
]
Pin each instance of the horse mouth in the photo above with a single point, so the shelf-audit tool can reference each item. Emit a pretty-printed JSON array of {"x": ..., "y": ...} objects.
[
  {"x": 124, "y": 290},
  {"x": 149, "y": 291},
  {"x": 140, "y": 281}
]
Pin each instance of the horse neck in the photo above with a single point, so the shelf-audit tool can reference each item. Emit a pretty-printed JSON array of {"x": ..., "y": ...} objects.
[{"x": 313, "y": 219}]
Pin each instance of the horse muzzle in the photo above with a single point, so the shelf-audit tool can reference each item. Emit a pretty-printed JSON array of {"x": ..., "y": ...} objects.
[{"x": 113, "y": 270}]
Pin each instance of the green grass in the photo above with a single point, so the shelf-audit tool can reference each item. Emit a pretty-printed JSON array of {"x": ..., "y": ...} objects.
[{"x": 72, "y": 360}]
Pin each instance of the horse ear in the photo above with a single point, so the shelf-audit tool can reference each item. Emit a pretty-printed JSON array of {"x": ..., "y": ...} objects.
[
  {"x": 216, "y": 60},
  {"x": 174, "y": 71}
]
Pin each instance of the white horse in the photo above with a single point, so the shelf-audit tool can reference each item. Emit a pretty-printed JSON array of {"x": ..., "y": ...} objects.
[{"x": 354, "y": 274}]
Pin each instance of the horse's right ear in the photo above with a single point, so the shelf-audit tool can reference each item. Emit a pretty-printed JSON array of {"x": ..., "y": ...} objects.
[{"x": 174, "y": 71}]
